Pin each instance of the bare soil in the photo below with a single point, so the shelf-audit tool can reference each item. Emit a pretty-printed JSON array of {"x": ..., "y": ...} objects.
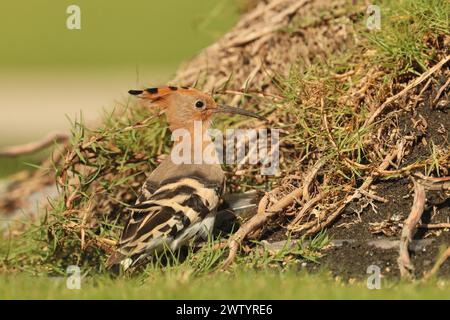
[
  {"x": 365, "y": 221},
  {"x": 384, "y": 220}
]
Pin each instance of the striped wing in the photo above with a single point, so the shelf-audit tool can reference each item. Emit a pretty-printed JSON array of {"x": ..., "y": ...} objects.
[{"x": 169, "y": 217}]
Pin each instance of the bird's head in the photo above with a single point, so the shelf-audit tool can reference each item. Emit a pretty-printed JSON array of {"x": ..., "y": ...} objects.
[{"x": 185, "y": 105}]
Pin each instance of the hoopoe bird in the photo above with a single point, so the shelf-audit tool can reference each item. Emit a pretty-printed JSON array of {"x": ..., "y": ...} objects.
[{"x": 178, "y": 202}]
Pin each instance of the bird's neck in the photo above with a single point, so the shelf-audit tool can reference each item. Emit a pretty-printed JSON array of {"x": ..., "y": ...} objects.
[{"x": 193, "y": 138}]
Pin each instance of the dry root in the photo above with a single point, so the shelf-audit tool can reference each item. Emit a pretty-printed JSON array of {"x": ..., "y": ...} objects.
[
  {"x": 404, "y": 261},
  {"x": 411, "y": 224}
]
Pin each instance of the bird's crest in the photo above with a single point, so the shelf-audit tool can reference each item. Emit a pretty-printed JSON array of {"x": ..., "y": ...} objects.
[{"x": 156, "y": 94}]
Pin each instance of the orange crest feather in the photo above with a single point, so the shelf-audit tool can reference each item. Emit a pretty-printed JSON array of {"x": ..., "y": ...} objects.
[{"x": 159, "y": 95}]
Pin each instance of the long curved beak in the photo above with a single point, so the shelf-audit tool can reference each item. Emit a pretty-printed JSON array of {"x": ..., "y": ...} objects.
[{"x": 234, "y": 110}]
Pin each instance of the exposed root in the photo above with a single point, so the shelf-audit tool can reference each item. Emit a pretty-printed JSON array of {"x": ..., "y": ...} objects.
[
  {"x": 422, "y": 184},
  {"x": 373, "y": 196},
  {"x": 405, "y": 171},
  {"x": 294, "y": 225},
  {"x": 441, "y": 90},
  {"x": 255, "y": 222},
  {"x": 404, "y": 261},
  {"x": 314, "y": 227},
  {"x": 311, "y": 227},
  {"x": 367, "y": 183},
  {"x": 310, "y": 178},
  {"x": 434, "y": 184}
]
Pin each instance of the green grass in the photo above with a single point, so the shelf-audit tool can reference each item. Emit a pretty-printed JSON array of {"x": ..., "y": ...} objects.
[
  {"x": 136, "y": 35},
  {"x": 408, "y": 37},
  {"x": 243, "y": 285}
]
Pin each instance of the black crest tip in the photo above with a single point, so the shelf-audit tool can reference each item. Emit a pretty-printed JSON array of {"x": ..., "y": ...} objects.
[{"x": 135, "y": 92}]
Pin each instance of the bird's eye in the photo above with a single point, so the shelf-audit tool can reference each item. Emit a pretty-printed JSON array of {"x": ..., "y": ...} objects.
[{"x": 199, "y": 104}]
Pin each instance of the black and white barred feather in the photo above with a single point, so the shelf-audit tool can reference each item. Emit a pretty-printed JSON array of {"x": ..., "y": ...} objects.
[{"x": 181, "y": 210}]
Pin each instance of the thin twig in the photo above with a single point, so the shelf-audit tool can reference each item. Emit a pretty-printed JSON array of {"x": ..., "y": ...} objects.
[
  {"x": 404, "y": 170},
  {"x": 438, "y": 95},
  {"x": 442, "y": 258},
  {"x": 244, "y": 230},
  {"x": 434, "y": 184},
  {"x": 366, "y": 184},
  {"x": 309, "y": 178},
  {"x": 318, "y": 226},
  {"x": 313, "y": 227},
  {"x": 258, "y": 220},
  {"x": 404, "y": 261},
  {"x": 442, "y": 225},
  {"x": 410, "y": 86},
  {"x": 373, "y": 196},
  {"x": 306, "y": 207}
]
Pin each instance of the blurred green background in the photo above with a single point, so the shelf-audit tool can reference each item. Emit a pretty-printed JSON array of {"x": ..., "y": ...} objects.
[
  {"x": 49, "y": 73},
  {"x": 113, "y": 33}
]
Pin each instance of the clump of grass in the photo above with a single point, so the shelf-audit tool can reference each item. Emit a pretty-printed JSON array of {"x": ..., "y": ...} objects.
[{"x": 412, "y": 33}]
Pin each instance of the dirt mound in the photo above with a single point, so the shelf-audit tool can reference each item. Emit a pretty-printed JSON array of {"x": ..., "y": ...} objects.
[{"x": 267, "y": 40}]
